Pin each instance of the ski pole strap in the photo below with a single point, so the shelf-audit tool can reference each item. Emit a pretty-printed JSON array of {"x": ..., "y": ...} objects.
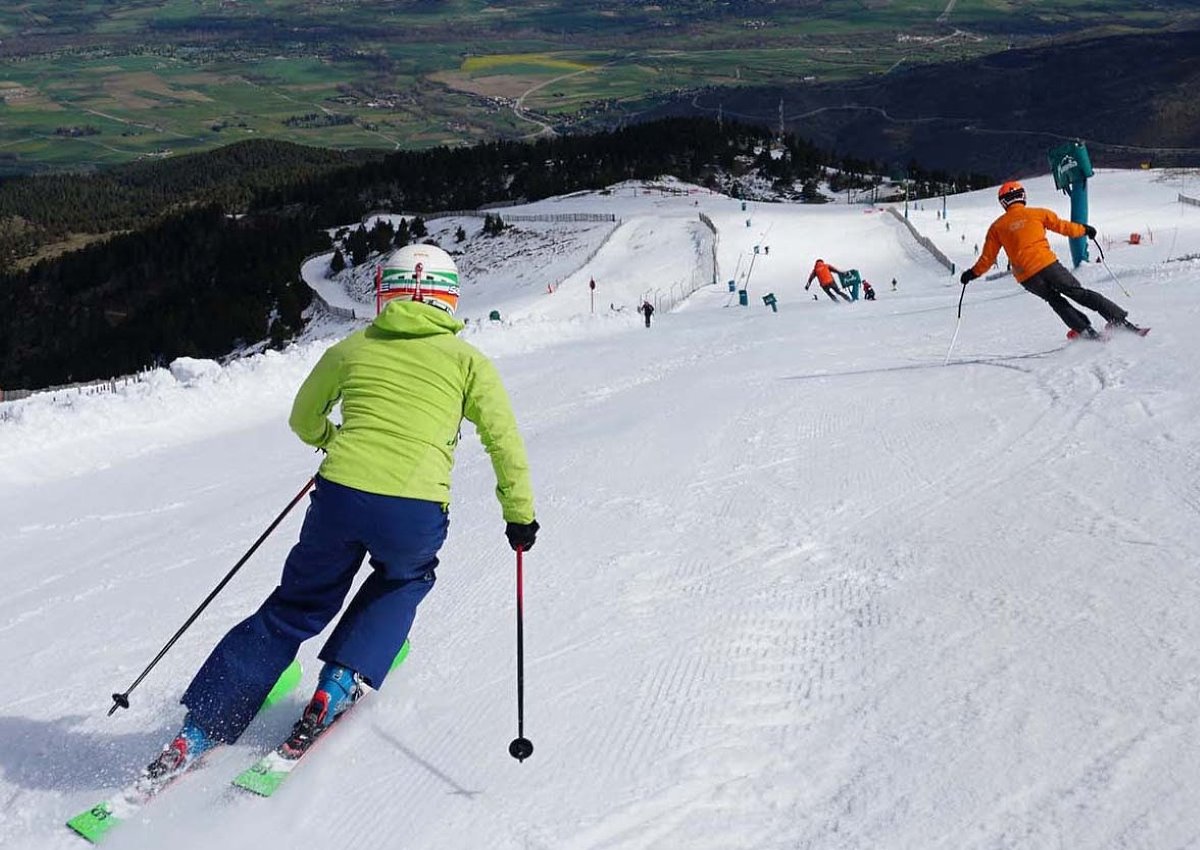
[
  {"x": 961, "y": 295},
  {"x": 1098, "y": 248}
]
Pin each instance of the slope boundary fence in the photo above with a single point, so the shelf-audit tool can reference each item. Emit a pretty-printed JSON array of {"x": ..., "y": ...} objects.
[
  {"x": 83, "y": 388},
  {"x": 704, "y": 272},
  {"x": 332, "y": 309},
  {"x": 592, "y": 254},
  {"x": 486, "y": 211},
  {"x": 1191, "y": 202},
  {"x": 708, "y": 222},
  {"x": 924, "y": 241}
]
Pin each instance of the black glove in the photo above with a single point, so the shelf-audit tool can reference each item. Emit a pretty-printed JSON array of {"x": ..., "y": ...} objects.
[
  {"x": 521, "y": 535},
  {"x": 1089, "y": 231},
  {"x": 966, "y": 277}
]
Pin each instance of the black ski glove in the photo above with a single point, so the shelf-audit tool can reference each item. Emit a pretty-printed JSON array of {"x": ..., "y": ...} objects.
[
  {"x": 966, "y": 277},
  {"x": 520, "y": 535},
  {"x": 1089, "y": 231}
]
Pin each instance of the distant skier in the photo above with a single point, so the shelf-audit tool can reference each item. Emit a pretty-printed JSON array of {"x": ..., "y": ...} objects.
[
  {"x": 893, "y": 284},
  {"x": 647, "y": 311},
  {"x": 823, "y": 272},
  {"x": 1021, "y": 232},
  {"x": 868, "y": 291},
  {"x": 404, "y": 383}
]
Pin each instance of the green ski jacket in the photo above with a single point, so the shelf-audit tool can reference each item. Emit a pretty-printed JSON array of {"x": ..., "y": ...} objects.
[{"x": 405, "y": 384}]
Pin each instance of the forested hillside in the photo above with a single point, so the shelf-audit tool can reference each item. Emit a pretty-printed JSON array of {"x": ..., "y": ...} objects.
[
  {"x": 188, "y": 278},
  {"x": 35, "y": 211}
]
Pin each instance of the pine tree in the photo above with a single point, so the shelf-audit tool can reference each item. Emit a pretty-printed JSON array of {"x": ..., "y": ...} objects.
[
  {"x": 359, "y": 245},
  {"x": 403, "y": 234},
  {"x": 381, "y": 236}
]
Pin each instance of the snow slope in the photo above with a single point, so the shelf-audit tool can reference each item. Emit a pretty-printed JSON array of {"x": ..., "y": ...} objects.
[{"x": 799, "y": 585}]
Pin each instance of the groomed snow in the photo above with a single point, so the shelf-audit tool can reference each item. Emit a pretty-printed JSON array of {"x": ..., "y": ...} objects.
[{"x": 799, "y": 584}]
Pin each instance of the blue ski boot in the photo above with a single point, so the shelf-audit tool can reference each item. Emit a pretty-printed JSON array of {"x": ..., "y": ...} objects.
[
  {"x": 177, "y": 757},
  {"x": 338, "y": 688}
]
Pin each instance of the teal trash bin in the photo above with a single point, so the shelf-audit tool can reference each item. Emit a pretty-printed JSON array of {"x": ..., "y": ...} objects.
[
  {"x": 851, "y": 280},
  {"x": 494, "y": 315},
  {"x": 732, "y": 286},
  {"x": 769, "y": 300},
  {"x": 743, "y": 298}
]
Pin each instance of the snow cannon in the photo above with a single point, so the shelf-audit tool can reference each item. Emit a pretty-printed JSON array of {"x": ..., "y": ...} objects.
[
  {"x": 850, "y": 279},
  {"x": 1072, "y": 166}
]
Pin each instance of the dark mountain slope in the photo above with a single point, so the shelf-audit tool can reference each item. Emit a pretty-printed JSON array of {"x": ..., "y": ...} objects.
[{"x": 1131, "y": 97}]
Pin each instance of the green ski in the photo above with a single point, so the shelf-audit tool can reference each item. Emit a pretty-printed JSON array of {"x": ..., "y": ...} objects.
[
  {"x": 266, "y": 775},
  {"x": 98, "y": 821}
]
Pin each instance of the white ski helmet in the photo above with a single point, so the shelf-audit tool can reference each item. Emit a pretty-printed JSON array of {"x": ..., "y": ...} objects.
[{"x": 423, "y": 273}]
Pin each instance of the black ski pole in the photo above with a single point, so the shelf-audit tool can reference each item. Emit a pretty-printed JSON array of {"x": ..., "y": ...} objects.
[
  {"x": 1116, "y": 280},
  {"x": 122, "y": 700},
  {"x": 957, "y": 325},
  {"x": 521, "y": 747}
]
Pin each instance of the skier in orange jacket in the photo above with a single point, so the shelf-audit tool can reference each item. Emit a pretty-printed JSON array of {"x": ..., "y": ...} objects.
[
  {"x": 1021, "y": 232},
  {"x": 824, "y": 273}
]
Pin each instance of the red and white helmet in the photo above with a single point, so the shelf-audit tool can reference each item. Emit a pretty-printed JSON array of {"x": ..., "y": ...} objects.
[
  {"x": 423, "y": 273},
  {"x": 1011, "y": 193}
]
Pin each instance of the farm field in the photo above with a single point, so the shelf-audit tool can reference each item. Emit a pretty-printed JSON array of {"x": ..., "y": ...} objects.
[{"x": 90, "y": 84}]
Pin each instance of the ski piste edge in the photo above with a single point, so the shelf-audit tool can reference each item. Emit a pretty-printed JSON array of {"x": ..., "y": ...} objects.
[
  {"x": 96, "y": 823},
  {"x": 266, "y": 775}
]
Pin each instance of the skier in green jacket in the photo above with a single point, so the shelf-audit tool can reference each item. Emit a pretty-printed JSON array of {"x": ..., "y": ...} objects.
[{"x": 404, "y": 383}]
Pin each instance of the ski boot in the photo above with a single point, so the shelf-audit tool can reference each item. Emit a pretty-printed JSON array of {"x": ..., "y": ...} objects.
[
  {"x": 1085, "y": 333},
  {"x": 338, "y": 688},
  {"x": 1126, "y": 325},
  {"x": 177, "y": 757}
]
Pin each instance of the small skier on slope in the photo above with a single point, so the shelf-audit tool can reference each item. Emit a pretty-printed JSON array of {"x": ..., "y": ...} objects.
[
  {"x": 647, "y": 310},
  {"x": 824, "y": 273},
  {"x": 1021, "y": 232},
  {"x": 404, "y": 383}
]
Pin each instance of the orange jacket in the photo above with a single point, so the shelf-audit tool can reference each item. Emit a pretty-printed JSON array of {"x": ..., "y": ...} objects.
[
  {"x": 1021, "y": 232},
  {"x": 823, "y": 272}
]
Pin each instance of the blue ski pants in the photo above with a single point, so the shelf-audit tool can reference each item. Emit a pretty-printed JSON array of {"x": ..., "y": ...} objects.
[{"x": 341, "y": 527}]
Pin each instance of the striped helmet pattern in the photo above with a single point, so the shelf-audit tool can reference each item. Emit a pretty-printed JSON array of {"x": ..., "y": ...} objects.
[{"x": 423, "y": 273}]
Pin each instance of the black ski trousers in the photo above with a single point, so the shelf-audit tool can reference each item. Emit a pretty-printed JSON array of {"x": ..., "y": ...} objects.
[
  {"x": 829, "y": 290},
  {"x": 1055, "y": 285}
]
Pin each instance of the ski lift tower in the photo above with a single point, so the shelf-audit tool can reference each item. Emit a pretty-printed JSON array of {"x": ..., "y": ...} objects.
[{"x": 1071, "y": 167}]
